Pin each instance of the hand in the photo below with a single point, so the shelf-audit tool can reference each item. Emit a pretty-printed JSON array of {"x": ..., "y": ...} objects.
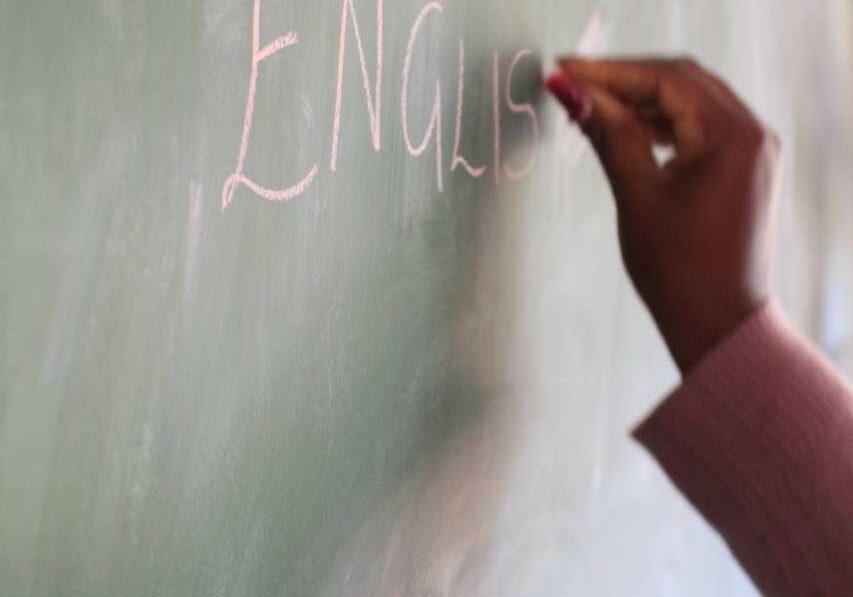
[{"x": 695, "y": 232}]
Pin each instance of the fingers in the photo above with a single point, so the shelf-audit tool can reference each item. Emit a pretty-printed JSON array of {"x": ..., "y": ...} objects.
[
  {"x": 635, "y": 80},
  {"x": 622, "y": 141},
  {"x": 675, "y": 89},
  {"x": 624, "y": 146}
]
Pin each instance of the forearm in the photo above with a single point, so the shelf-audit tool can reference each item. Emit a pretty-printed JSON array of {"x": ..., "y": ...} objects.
[{"x": 760, "y": 438}]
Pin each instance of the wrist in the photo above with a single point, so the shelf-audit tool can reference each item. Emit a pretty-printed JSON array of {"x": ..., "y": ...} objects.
[{"x": 691, "y": 337}]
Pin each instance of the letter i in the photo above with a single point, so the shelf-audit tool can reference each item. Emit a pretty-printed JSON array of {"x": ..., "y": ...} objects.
[{"x": 496, "y": 116}]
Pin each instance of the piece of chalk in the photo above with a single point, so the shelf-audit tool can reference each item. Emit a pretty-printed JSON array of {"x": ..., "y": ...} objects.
[{"x": 570, "y": 93}]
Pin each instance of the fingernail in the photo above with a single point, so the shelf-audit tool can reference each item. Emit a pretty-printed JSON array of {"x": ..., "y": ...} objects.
[{"x": 567, "y": 90}]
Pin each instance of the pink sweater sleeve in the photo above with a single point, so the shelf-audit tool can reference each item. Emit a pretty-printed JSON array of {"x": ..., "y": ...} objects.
[{"x": 760, "y": 438}]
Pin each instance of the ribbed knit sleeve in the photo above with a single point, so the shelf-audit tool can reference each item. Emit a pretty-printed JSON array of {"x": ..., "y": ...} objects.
[{"x": 759, "y": 437}]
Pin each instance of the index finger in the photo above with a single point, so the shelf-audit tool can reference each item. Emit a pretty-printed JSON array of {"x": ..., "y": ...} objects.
[
  {"x": 639, "y": 81},
  {"x": 658, "y": 83}
]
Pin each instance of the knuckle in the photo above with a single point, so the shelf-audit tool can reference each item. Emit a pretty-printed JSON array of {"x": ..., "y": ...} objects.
[
  {"x": 751, "y": 136},
  {"x": 762, "y": 140},
  {"x": 759, "y": 144},
  {"x": 684, "y": 63}
]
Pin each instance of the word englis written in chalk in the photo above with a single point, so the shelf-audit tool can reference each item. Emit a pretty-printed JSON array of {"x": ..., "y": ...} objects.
[{"x": 373, "y": 98}]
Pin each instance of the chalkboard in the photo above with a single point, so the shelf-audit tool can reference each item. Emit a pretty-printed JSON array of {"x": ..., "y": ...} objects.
[{"x": 323, "y": 297}]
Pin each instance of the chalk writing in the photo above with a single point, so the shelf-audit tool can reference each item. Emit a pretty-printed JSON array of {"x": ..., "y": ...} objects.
[
  {"x": 237, "y": 177},
  {"x": 374, "y": 101},
  {"x": 434, "y": 126},
  {"x": 501, "y": 89},
  {"x": 517, "y": 108},
  {"x": 458, "y": 159},
  {"x": 496, "y": 117}
]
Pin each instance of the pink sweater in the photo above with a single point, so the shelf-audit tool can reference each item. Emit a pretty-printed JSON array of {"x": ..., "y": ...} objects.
[{"x": 760, "y": 438}]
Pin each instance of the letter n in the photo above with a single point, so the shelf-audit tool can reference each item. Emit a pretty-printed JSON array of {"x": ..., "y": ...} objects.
[{"x": 374, "y": 99}]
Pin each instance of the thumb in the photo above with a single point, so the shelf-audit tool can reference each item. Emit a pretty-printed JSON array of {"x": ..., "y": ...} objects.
[{"x": 621, "y": 140}]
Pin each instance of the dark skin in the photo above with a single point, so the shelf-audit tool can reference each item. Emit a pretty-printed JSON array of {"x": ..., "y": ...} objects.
[{"x": 695, "y": 232}]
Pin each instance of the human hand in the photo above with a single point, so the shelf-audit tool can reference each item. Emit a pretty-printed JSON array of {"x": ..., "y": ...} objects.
[{"x": 695, "y": 232}]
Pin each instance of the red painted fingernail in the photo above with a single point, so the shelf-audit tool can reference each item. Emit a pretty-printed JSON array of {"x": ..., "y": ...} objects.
[{"x": 567, "y": 90}]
